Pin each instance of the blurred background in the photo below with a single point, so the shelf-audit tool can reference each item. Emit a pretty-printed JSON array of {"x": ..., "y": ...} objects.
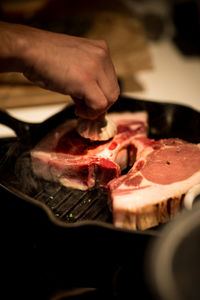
[{"x": 154, "y": 44}]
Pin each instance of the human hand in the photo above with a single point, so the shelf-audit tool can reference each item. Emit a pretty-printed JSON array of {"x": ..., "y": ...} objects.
[{"x": 79, "y": 67}]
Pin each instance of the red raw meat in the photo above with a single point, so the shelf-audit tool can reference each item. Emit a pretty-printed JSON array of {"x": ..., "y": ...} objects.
[
  {"x": 153, "y": 190},
  {"x": 64, "y": 156}
]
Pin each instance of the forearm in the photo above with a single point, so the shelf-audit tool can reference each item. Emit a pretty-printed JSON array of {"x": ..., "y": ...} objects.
[
  {"x": 19, "y": 46},
  {"x": 13, "y": 47},
  {"x": 79, "y": 67},
  {"x": 22, "y": 46}
]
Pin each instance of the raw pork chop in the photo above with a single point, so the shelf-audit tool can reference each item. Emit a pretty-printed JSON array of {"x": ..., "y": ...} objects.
[
  {"x": 152, "y": 191},
  {"x": 64, "y": 156}
]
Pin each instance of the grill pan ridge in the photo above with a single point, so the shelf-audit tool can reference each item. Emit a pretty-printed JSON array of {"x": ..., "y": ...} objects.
[{"x": 69, "y": 205}]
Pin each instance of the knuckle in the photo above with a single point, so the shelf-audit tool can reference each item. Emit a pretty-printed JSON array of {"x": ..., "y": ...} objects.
[
  {"x": 101, "y": 53},
  {"x": 103, "y": 44},
  {"x": 102, "y": 50}
]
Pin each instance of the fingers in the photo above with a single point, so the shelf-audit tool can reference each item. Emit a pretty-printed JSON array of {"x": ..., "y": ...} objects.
[
  {"x": 107, "y": 82},
  {"x": 93, "y": 104},
  {"x": 99, "y": 88},
  {"x": 106, "y": 75},
  {"x": 96, "y": 99}
]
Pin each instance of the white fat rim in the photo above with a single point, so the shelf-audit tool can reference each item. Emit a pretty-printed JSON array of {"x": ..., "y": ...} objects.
[{"x": 190, "y": 196}]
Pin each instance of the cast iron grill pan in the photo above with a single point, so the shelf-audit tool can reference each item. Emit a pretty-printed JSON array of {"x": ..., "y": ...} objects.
[
  {"x": 69, "y": 205},
  {"x": 74, "y": 205}
]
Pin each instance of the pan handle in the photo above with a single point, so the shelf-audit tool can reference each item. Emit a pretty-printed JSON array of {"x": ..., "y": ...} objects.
[
  {"x": 192, "y": 197},
  {"x": 22, "y": 129},
  {"x": 31, "y": 133}
]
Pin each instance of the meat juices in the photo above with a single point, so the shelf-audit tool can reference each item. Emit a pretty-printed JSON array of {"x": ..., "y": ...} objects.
[
  {"x": 152, "y": 191},
  {"x": 64, "y": 156}
]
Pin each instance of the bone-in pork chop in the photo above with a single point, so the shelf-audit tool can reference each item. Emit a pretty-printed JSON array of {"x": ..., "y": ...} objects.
[
  {"x": 152, "y": 191},
  {"x": 66, "y": 157}
]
